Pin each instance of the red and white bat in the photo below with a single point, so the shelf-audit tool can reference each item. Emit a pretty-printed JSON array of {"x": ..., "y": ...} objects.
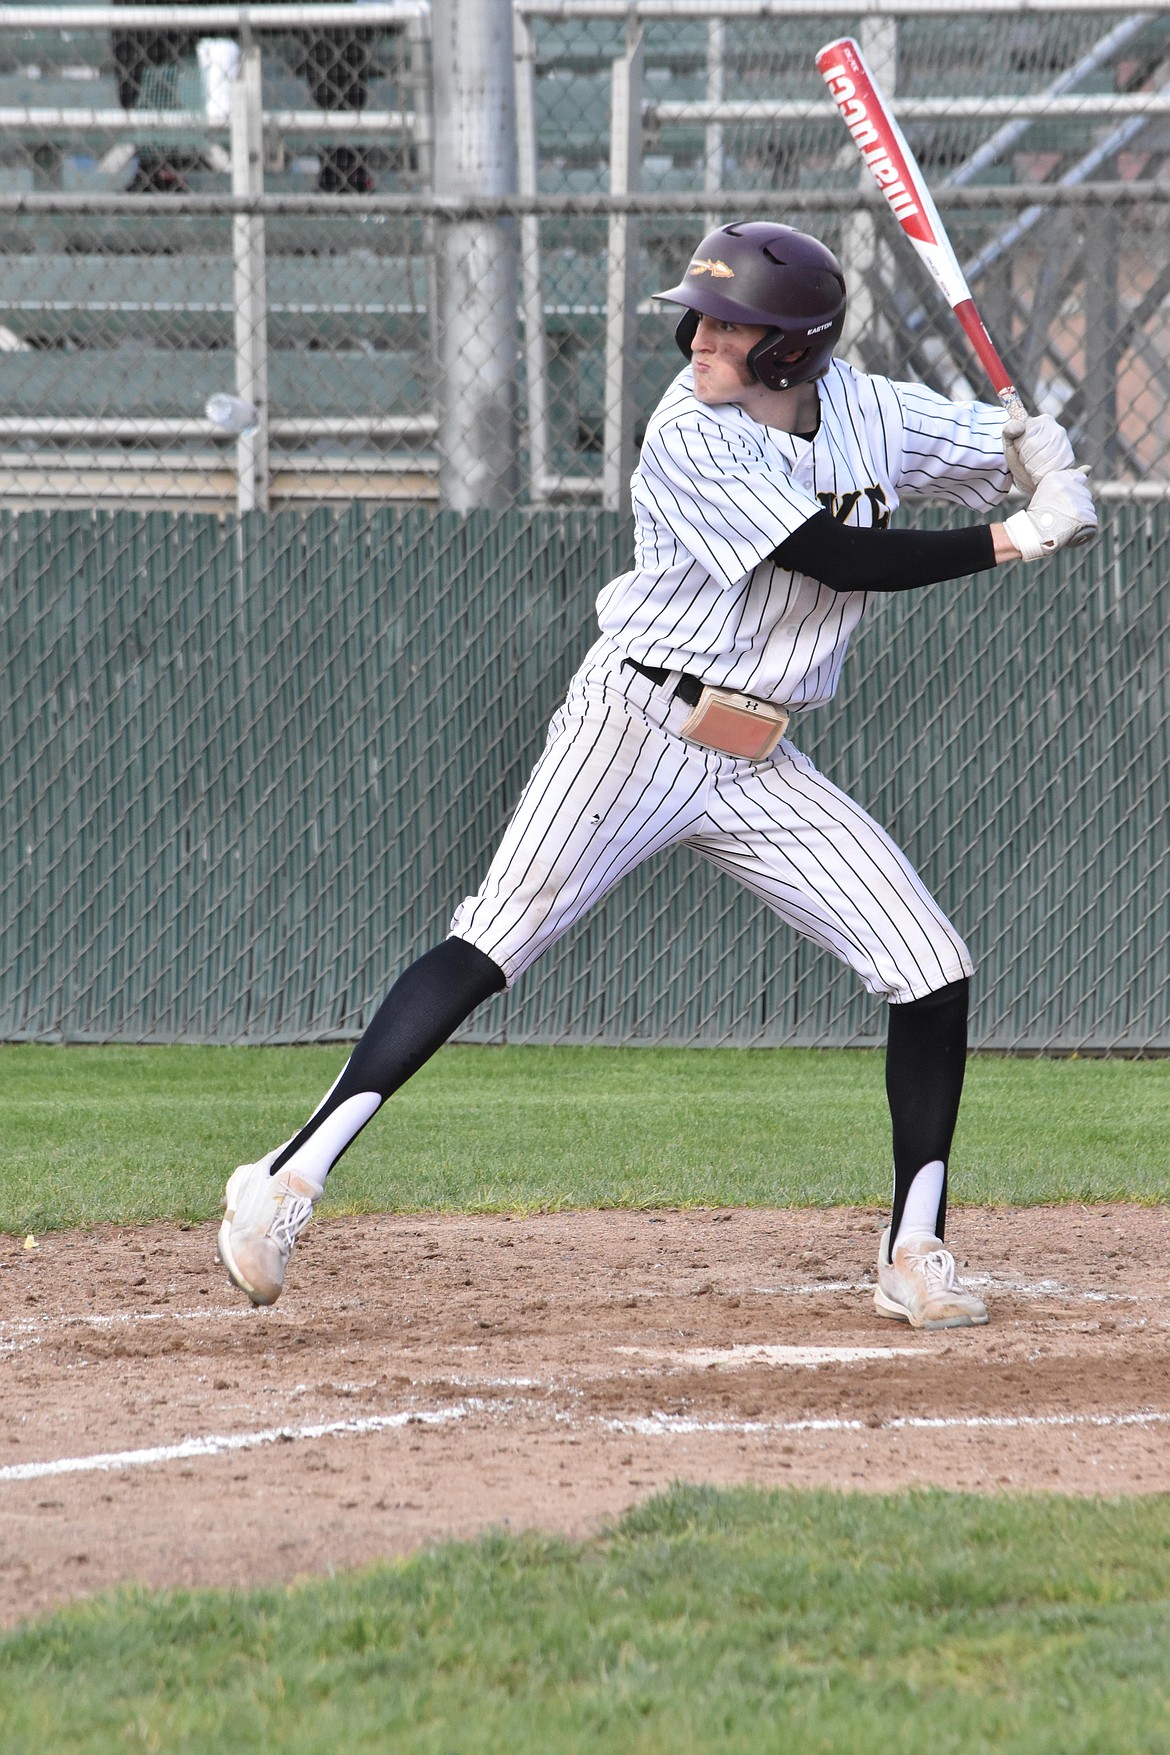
[{"x": 884, "y": 148}]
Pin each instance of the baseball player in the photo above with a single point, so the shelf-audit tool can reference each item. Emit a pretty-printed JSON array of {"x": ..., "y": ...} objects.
[{"x": 762, "y": 501}]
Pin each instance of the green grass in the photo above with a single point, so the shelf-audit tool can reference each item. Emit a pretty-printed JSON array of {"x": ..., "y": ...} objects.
[
  {"x": 124, "y": 1134},
  {"x": 707, "y": 1621}
]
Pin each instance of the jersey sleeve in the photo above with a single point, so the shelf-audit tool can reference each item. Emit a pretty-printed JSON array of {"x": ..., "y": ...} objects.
[
  {"x": 950, "y": 450},
  {"x": 721, "y": 497}
]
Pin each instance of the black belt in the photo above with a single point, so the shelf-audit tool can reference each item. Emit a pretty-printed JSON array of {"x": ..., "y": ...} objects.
[{"x": 687, "y": 688}]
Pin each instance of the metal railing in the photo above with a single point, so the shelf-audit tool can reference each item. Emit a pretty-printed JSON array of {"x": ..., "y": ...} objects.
[
  {"x": 1055, "y": 188},
  {"x": 193, "y": 478}
]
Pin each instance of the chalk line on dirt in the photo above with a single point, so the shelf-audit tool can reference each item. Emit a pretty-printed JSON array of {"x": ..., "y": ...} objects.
[
  {"x": 663, "y": 1425},
  {"x": 762, "y": 1354},
  {"x": 647, "y": 1425},
  {"x": 220, "y": 1444},
  {"x": 23, "y": 1325}
]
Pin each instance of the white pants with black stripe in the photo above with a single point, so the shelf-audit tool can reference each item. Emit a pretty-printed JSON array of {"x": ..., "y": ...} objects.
[{"x": 616, "y": 783}]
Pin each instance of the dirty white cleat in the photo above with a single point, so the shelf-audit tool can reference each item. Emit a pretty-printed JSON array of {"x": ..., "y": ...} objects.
[
  {"x": 264, "y": 1216},
  {"x": 919, "y": 1286}
]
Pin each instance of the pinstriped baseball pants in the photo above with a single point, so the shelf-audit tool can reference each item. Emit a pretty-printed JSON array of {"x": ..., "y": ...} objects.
[{"x": 616, "y": 783}]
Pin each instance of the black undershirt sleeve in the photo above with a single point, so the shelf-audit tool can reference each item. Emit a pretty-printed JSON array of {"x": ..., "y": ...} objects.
[{"x": 848, "y": 559}]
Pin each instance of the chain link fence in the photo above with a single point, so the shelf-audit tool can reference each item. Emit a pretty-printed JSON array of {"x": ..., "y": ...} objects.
[
  {"x": 1044, "y": 136},
  {"x": 247, "y": 769},
  {"x": 139, "y": 298},
  {"x": 271, "y": 214},
  {"x": 316, "y": 410}
]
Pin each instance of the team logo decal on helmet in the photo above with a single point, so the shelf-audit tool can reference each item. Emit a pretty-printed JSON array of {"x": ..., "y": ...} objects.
[{"x": 786, "y": 282}]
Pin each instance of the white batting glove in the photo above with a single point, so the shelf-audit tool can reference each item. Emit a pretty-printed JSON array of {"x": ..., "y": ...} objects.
[
  {"x": 1034, "y": 448},
  {"x": 1060, "y": 514}
]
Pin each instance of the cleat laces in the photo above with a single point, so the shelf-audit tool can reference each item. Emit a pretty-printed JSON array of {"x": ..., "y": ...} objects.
[
  {"x": 292, "y": 1216},
  {"x": 938, "y": 1270}
]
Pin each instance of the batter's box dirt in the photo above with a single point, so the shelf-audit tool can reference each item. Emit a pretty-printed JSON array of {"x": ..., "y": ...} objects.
[{"x": 430, "y": 1377}]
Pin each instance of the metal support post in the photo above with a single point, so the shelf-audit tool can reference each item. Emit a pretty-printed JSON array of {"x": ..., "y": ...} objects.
[
  {"x": 249, "y": 281},
  {"x": 475, "y": 154},
  {"x": 418, "y": 36},
  {"x": 535, "y": 348},
  {"x": 1103, "y": 323},
  {"x": 621, "y": 310},
  {"x": 422, "y": 137},
  {"x": 713, "y": 132}
]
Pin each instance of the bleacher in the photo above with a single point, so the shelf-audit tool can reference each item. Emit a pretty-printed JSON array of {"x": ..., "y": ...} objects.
[
  {"x": 124, "y": 321},
  {"x": 116, "y": 328},
  {"x": 111, "y": 322}
]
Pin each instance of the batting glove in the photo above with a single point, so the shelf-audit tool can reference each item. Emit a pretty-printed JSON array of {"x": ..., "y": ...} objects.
[
  {"x": 1034, "y": 448},
  {"x": 1060, "y": 514}
]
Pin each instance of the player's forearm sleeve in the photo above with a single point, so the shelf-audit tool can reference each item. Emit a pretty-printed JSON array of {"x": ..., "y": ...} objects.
[{"x": 847, "y": 559}]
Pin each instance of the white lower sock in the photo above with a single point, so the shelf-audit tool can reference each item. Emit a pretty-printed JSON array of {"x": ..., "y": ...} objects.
[
  {"x": 329, "y": 1139},
  {"x": 920, "y": 1213}
]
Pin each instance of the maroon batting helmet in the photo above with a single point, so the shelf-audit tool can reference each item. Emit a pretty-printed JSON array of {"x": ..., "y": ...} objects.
[{"x": 757, "y": 272}]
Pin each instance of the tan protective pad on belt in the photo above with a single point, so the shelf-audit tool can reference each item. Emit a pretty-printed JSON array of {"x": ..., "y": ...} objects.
[{"x": 735, "y": 725}]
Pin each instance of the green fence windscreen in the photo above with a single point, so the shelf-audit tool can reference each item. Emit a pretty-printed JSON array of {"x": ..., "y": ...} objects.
[{"x": 248, "y": 767}]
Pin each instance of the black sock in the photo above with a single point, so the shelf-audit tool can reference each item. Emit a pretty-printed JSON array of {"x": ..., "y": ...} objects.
[
  {"x": 427, "y": 1004},
  {"x": 926, "y": 1057}
]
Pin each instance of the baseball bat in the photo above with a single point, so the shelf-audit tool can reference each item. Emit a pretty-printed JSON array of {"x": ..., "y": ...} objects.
[{"x": 895, "y": 170}]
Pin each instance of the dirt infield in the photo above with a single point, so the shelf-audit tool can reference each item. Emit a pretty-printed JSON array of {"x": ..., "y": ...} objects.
[{"x": 430, "y": 1377}]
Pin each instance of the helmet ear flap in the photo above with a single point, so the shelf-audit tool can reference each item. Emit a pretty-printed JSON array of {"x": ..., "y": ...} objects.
[
  {"x": 765, "y": 363},
  {"x": 685, "y": 332}
]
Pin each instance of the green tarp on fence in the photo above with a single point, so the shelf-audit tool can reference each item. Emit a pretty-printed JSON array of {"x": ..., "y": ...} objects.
[{"x": 248, "y": 768}]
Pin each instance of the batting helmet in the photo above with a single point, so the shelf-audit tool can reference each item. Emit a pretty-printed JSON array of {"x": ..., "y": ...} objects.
[{"x": 757, "y": 272}]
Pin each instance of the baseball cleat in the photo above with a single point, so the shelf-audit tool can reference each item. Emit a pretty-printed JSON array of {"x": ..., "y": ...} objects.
[
  {"x": 264, "y": 1216},
  {"x": 919, "y": 1286}
]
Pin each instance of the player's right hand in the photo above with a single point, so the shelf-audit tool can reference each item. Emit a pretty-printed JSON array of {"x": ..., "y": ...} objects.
[
  {"x": 1060, "y": 514},
  {"x": 1035, "y": 447}
]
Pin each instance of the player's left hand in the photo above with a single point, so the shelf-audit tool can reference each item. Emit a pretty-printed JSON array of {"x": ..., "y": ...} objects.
[
  {"x": 1034, "y": 448},
  {"x": 1060, "y": 514}
]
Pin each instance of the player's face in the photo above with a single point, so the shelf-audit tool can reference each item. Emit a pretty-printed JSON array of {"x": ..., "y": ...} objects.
[{"x": 719, "y": 359}]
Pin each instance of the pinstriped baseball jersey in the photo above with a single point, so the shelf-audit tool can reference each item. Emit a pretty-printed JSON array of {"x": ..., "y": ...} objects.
[
  {"x": 715, "y": 492},
  {"x": 714, "y": 495}
]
